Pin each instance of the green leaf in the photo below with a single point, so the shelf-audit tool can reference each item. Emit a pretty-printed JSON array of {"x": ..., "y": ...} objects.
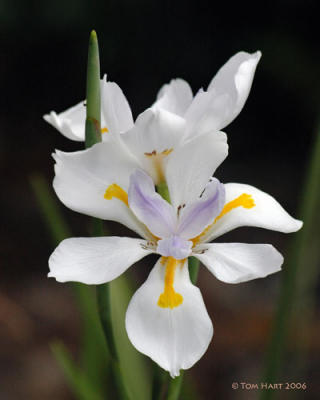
[
  {"x": 94, "y": 356},
  {"x": 296, "y": 301},
  {"x": 78, "y": 381},
  {"x": 134, "y": 366}
]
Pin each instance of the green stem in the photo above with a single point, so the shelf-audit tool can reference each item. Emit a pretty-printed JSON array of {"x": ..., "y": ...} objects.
[
  {"x": 93, "y": 136},
  {"x": 175, "y": 387},
  {"x": 93, "y": 128},
  {"x": 162, "y": 189},
  {"x": 193, "y": 264}
]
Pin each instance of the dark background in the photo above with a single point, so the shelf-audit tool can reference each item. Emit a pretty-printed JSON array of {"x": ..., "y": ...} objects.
[{"x": 143, "y": 44}]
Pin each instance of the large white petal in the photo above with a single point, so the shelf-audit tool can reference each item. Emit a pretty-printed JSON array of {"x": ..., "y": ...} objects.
[
  {"x": 151, "y": 209},
  {"x": 155, "y": 135},
  {"x": 95, "y": 260},
  {"x": 115, "y": 108},
  {"x": 175, "y": 338},
  {"x": 227, "y": 93},
  {"x": 266, "y": 213},
  {"x": 192, "y": 164},
  {"x": 71, "y": 123},
  {"x": 83, "y": 177},
  {"x": 175, "y": 97},
  {"x": 239, "y": 262}
]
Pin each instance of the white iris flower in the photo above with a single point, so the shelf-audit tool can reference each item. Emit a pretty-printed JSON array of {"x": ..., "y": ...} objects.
[
  {"x": 177, "y": 142},
  {"x": 212, "y": 109},
  {"x": 166, "y": 318}
]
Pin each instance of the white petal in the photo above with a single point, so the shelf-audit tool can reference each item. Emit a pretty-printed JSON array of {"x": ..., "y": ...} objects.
[
  {"x": 196, "y": 216},
  {"x": 175, "y": 338},
  {"x": 71, "y": 123},
  {"x": 175, "y": 97},
  {"x": 266, "y": 213},
  {"x": 235, "y": 79},
  {"x": 155, "y": 134},
  {"x": 115, "y": 108},
  {"x": 95, "y": 260},
  {"x": 83, "y": 177},
  {"x": 149, "y": 207},
  {"x": 191, "y": 166},
  {"x": 227, "y": 93},
  {"x": 239, "y": 262}
]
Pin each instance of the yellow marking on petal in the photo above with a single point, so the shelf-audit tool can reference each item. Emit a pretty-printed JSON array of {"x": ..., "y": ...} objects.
[
  {"x": 170, "y": 298},
  {"x": 116, "y": 191},
  {"x": 244, "y": 200},
  {"x": 104, "y": 130}
]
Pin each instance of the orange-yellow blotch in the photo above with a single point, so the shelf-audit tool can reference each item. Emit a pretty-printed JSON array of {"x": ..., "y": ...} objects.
[
  {"x": 115, "y": 190},
  {"x": 169, "y": 298},
  {"x": 104, "y": 130},
  {"x": 244, "y": 200}
]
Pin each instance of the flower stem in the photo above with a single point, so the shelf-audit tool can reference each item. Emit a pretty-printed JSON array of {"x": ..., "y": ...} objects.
[
  {"x": 162, "y": 189},
  {"x": 93, "y": 136},
  {"x": 193, "y": 264},
  {"x": 93, "y": 128},
  {"x": 175, "y": 386}
]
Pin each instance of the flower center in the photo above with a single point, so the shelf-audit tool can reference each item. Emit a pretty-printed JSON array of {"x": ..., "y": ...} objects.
[
  {"x": 170, "y": 298},
  {"x": 104, "y": 130}
]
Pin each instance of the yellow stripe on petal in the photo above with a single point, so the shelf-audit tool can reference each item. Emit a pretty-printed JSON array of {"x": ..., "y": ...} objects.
[
  {"x": 104, "y": 130},
  {"x": 244, "y": 200},
  {"x": 170, "y": 298},
  {"x": 116, "y": 191}
]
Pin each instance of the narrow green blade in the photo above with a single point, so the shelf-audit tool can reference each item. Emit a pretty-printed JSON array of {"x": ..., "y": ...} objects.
[{"x": 77, "y": 380}]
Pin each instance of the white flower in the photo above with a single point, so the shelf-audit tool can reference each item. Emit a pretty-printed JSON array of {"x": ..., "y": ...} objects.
[
  {"x": 177, "y": 142},
  {"x": 209, "y": 110},
  {"x": 116, "y": 116},
  {"x": 166, "y": 318},
  {"x": 220, "y": 104}
]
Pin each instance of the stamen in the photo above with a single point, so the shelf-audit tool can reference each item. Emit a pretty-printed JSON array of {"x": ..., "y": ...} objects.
[
  {"x": 244, "y": 200},
  {"x": 170, "y": 298},
  {"x": 115, "y": 190},
  {"x": 104, "y": 130}
]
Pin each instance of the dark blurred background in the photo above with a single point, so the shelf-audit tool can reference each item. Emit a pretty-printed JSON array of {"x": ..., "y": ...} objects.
[{"x": 144, "y": 44}]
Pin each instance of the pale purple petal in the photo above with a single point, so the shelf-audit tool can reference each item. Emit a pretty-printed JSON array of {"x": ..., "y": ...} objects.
[
  {"x": 149, "y": 207},
  {"x": 196, "y": 216},
  {"x": 174, "y": 247}
]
